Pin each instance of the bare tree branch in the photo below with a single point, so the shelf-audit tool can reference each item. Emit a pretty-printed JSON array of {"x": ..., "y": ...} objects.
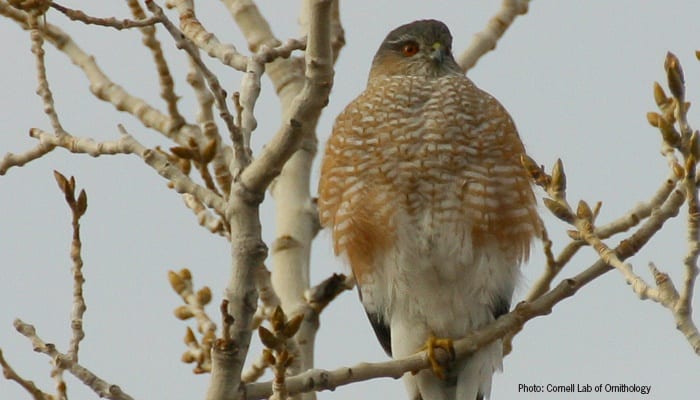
[
  {"x": 78, "y": 205},
  {"x": 205, "y": 117},
  {"x": 17, "y": 160},
  {"x": 211, "y": 222},
  {"x": 101, "y": 86},
  {"x": 111, "y": 22},
  {"x": 69, "y": 361},
  {"x": 127, "y": 144},
  {"x": 29, "y": 386},
  {"x": 43, "y": 90},
  {"x": 337, "y": 31},
  {"x": 180, "y": 182},
  {"x": 665, "y": 203},
  {"x": 193, "y": 29},
  {"x": 165, "y": 78},
  {"x": 622, "y": 224},
  {"x": 241, "y": 153},
  {"x": 248, "y": 249},
  {"x": 101, "y": 387},
  {"x": 76, "y": 144},
  {"x": 316, "y": 380},
  {"x": 253, "y": 25},
  {"x": 486, "y": 40}
]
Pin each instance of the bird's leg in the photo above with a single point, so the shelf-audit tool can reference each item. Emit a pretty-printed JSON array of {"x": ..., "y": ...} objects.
[{"x": 433, "y": 343}]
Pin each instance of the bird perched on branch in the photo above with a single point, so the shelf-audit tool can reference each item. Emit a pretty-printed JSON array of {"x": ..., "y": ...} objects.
[{"x": 422, "y": 186}]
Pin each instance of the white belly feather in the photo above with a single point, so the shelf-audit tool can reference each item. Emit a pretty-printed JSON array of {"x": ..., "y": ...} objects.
[
  {"x": 434, "y": 281},
  {"x": 433, "y": 276}
]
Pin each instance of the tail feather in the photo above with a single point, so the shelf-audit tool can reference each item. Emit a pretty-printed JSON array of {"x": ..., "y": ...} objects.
[
  {"x": 474, "y": 381},
  {"x": 471, "y": 378}
]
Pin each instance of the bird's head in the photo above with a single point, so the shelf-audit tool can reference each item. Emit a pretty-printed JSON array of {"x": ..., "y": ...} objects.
[{"x": 421, "y": 48}]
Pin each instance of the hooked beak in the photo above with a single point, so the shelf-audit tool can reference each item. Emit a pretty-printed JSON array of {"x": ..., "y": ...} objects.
[{"x": 438, "y": 54}]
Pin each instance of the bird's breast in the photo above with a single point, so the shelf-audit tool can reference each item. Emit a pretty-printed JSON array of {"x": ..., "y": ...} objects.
[{"x": 434, "y": 160}]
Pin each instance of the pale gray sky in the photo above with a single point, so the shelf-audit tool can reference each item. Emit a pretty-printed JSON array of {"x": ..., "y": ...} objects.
[{"x": 576, "y": 77}]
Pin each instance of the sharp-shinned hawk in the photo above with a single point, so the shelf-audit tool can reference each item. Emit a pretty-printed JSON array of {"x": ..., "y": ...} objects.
[{"x": 422, "y": 186}]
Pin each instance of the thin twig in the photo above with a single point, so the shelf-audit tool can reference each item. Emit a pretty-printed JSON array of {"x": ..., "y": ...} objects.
[
  {"x": 100, "y": 84},
  {"x": 486, "y": 40},
  {"x": 267, "y": 54},
  {"x": 17, "y": 160},
  {"x": 241, "y": 153},
  {"x": 82, "y": 145},
  {"x": 251, "y": 82},
  {"x": 78, "y": 206},
  {"x": 165, "y": 78},
  {"x": 690, "y": 261},
  {"x": 127, "y": 144},
  {"x": 111, "y": 22},
  {"x": 213, "y": 223},
  {"x": 101, "y": 387},
  {"x": 181, "y": 183},
  {"x": 337, "y": 31},
  {"x": 193, "y": 29},
  {"x": 631, "y": 219},
  {"x": 306, "y": 106},
  {"x": 29, "y": 386},
  {"x": 249, "y": 93},
  {"x": 205, "y": 118},
  {"x": 44, "y": 91}
]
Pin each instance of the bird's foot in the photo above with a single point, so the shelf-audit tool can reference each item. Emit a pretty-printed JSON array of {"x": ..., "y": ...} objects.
[{"x": 442, "y": 343}]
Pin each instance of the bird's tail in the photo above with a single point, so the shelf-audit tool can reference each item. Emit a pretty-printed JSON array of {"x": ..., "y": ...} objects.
[{"x": 469, "y": 379}]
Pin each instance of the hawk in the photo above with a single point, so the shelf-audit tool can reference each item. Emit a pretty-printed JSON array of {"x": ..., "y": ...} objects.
[{"x": 422, "y": 185}]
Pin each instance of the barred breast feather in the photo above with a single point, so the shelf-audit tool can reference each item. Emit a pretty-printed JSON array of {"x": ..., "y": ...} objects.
[{"x": 412, "y": 151}]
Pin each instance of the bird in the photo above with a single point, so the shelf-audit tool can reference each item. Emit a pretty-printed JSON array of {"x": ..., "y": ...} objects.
[{"x": 426, "y": 198}]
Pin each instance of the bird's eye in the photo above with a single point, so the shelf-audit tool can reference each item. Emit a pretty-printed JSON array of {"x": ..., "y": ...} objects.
[{"x": 410, "y": 49}]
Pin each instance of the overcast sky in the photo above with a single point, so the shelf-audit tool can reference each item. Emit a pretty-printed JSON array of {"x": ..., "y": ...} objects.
[{"x": 575, "y": 75}]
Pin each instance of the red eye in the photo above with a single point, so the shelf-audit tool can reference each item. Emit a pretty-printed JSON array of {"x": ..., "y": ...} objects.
[{"x": 410, "y": 49}]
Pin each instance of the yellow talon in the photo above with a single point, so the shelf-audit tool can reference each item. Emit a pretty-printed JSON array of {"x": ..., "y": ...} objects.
[{"x": 443, "y": 343}]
